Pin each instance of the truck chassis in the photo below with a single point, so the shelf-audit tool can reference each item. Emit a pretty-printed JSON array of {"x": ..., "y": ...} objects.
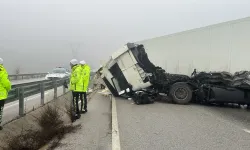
[{"x": 204, "y": 88}]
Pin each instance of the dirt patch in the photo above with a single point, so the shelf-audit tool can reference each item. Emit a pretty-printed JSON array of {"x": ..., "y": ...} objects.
[{"x": 46, "y": 124}]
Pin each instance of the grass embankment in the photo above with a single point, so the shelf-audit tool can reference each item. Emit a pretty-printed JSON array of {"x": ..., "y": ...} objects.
[{"x": 52, "y": 129}]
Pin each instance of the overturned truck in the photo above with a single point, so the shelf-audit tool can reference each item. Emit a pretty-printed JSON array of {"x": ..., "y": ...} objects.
[{"x": 130, "y": 73}]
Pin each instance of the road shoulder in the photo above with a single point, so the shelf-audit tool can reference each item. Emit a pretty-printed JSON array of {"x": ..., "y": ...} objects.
[{"x": 95, "y": 132}]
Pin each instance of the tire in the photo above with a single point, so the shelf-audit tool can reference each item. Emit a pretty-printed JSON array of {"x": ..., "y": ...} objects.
[
  {"x": 181, "y": 93},
  {"x": 137, "y": 101}
]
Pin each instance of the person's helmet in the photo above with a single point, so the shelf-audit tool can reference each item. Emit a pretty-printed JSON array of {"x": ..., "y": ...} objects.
[
  {"x": 73, "y": 62},
  {"x": 1, "y": 61},
  {"x": 82, "y": 62}
]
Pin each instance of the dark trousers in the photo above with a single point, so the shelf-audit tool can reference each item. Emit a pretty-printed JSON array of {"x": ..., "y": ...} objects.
[
  {"x": 76, "y": 96},
  {"x": 84, "y": 95},
  {"x": 1, "y": 110}
]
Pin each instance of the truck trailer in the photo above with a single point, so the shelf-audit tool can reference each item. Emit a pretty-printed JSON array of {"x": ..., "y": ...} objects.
[
  {"x": 130, "y": 73},
  {"x": 219, "y": 47}
]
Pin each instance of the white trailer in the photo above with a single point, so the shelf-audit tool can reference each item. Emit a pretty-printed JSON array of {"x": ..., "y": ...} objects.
[{"x": 220, "y": 47}]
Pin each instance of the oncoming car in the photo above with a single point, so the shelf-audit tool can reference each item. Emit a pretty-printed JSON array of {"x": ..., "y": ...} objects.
[{"x": 58, "y": 73}]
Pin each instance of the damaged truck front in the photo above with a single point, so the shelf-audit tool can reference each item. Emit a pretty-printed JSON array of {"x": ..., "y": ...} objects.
[{"x": 130, "y": 73}]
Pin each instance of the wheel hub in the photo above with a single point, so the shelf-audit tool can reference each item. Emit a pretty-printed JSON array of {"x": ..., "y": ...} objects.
[{"x": 181, "y": 93}]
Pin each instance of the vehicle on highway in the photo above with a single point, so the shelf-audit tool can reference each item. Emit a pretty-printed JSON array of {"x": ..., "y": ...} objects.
[
  {"x": 130, "y": 73},
  {"x": 58, "y": 73}
]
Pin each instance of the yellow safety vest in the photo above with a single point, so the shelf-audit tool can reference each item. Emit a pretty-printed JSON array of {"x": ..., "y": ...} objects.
[
  {"x": 86, "y": 76},
  {"x": 76, "y": 80},
  {"x": 5, "y": 85}
]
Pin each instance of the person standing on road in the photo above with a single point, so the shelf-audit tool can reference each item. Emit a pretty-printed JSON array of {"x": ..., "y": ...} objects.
[
  {"x": 5, "y": 87},
  {"x": 86, "y": 78},
  {"x": 76, "y": 84}
]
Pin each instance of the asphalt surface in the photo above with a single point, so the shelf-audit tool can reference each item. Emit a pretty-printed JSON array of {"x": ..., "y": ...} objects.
[
  {"x": 11, "y": 110},
  {"x": 95, "y": 133},
  {"x": 163, "y": 126}
]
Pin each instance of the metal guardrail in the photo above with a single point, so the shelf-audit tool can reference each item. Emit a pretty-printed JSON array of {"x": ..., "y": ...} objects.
[
  {"x": 27, "y": 76},
  {"x": 20, "y": 91}
]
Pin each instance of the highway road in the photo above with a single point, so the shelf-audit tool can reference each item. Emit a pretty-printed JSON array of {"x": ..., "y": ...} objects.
[
  {"x": 11, "y": 110},
  {"x": 163, "y": 126},
  {"x": 95, "y": 133},
  {"x": 159, "y": 126}
]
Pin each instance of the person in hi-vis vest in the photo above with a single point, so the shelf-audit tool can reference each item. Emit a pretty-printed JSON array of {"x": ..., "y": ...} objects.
[
  {"x": 86, "y": 78},
  {"x": 76, "y": 84},
  {"x": 5, "y": 87}
]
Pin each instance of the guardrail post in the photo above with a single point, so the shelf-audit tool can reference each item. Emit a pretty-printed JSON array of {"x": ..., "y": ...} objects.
[
  {"x": 42, "y": 93},
  {"x": 55, "y": 88},
  {"x": 21, "y": 101},
  {"x": 64, "y": 88}
]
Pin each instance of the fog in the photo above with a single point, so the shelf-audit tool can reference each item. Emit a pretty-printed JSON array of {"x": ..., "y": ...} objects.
[{"x": 38, "y": 35}]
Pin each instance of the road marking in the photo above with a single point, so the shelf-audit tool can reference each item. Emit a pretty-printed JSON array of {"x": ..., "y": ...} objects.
[
  {"x": 115, "y": 131},
  {"x": 246, "y": 130}
]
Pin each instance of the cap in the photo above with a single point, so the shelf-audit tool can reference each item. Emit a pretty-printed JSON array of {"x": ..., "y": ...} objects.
[
  {"x": 74, "y": 62},
  {"x": 82, "y": 62},
  {"x": 1, "y": 61}
]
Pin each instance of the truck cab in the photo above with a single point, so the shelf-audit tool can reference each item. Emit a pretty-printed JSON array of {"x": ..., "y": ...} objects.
[
  {"x": 124, "y": 70},
  {"x": 129, "y": 72}
]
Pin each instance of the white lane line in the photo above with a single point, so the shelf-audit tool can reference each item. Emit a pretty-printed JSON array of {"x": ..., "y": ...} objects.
[
  {"x": 246, "y": 130},
  {"x": 115, "y": 131}
]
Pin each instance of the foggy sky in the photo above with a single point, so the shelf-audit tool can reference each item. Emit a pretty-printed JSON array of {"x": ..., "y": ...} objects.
[{"x": 38, "y": 35}]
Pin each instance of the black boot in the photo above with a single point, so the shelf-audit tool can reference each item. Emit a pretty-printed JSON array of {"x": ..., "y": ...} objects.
[
  {"x": 78, "y": 116},
  {"x": 82, "y": 112},
  {"x": 85, "y": 110}
]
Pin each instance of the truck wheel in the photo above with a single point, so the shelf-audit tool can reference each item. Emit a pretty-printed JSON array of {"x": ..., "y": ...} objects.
[
  {"x": 141, "y": 98},
  {"x": 138, "y": 101},
  {"x": 181, "y": 93},
  {"x": 145, "y": 99}
]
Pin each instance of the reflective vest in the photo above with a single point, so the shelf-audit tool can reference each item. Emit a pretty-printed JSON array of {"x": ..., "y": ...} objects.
[
  {"x": 86, "y": 76},
  {"x": 76, "y": 80},
  {"x": 5, "y": 85}
]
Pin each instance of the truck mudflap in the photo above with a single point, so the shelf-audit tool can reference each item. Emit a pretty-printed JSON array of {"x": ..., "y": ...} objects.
[{"x": 222, "y": 95}]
